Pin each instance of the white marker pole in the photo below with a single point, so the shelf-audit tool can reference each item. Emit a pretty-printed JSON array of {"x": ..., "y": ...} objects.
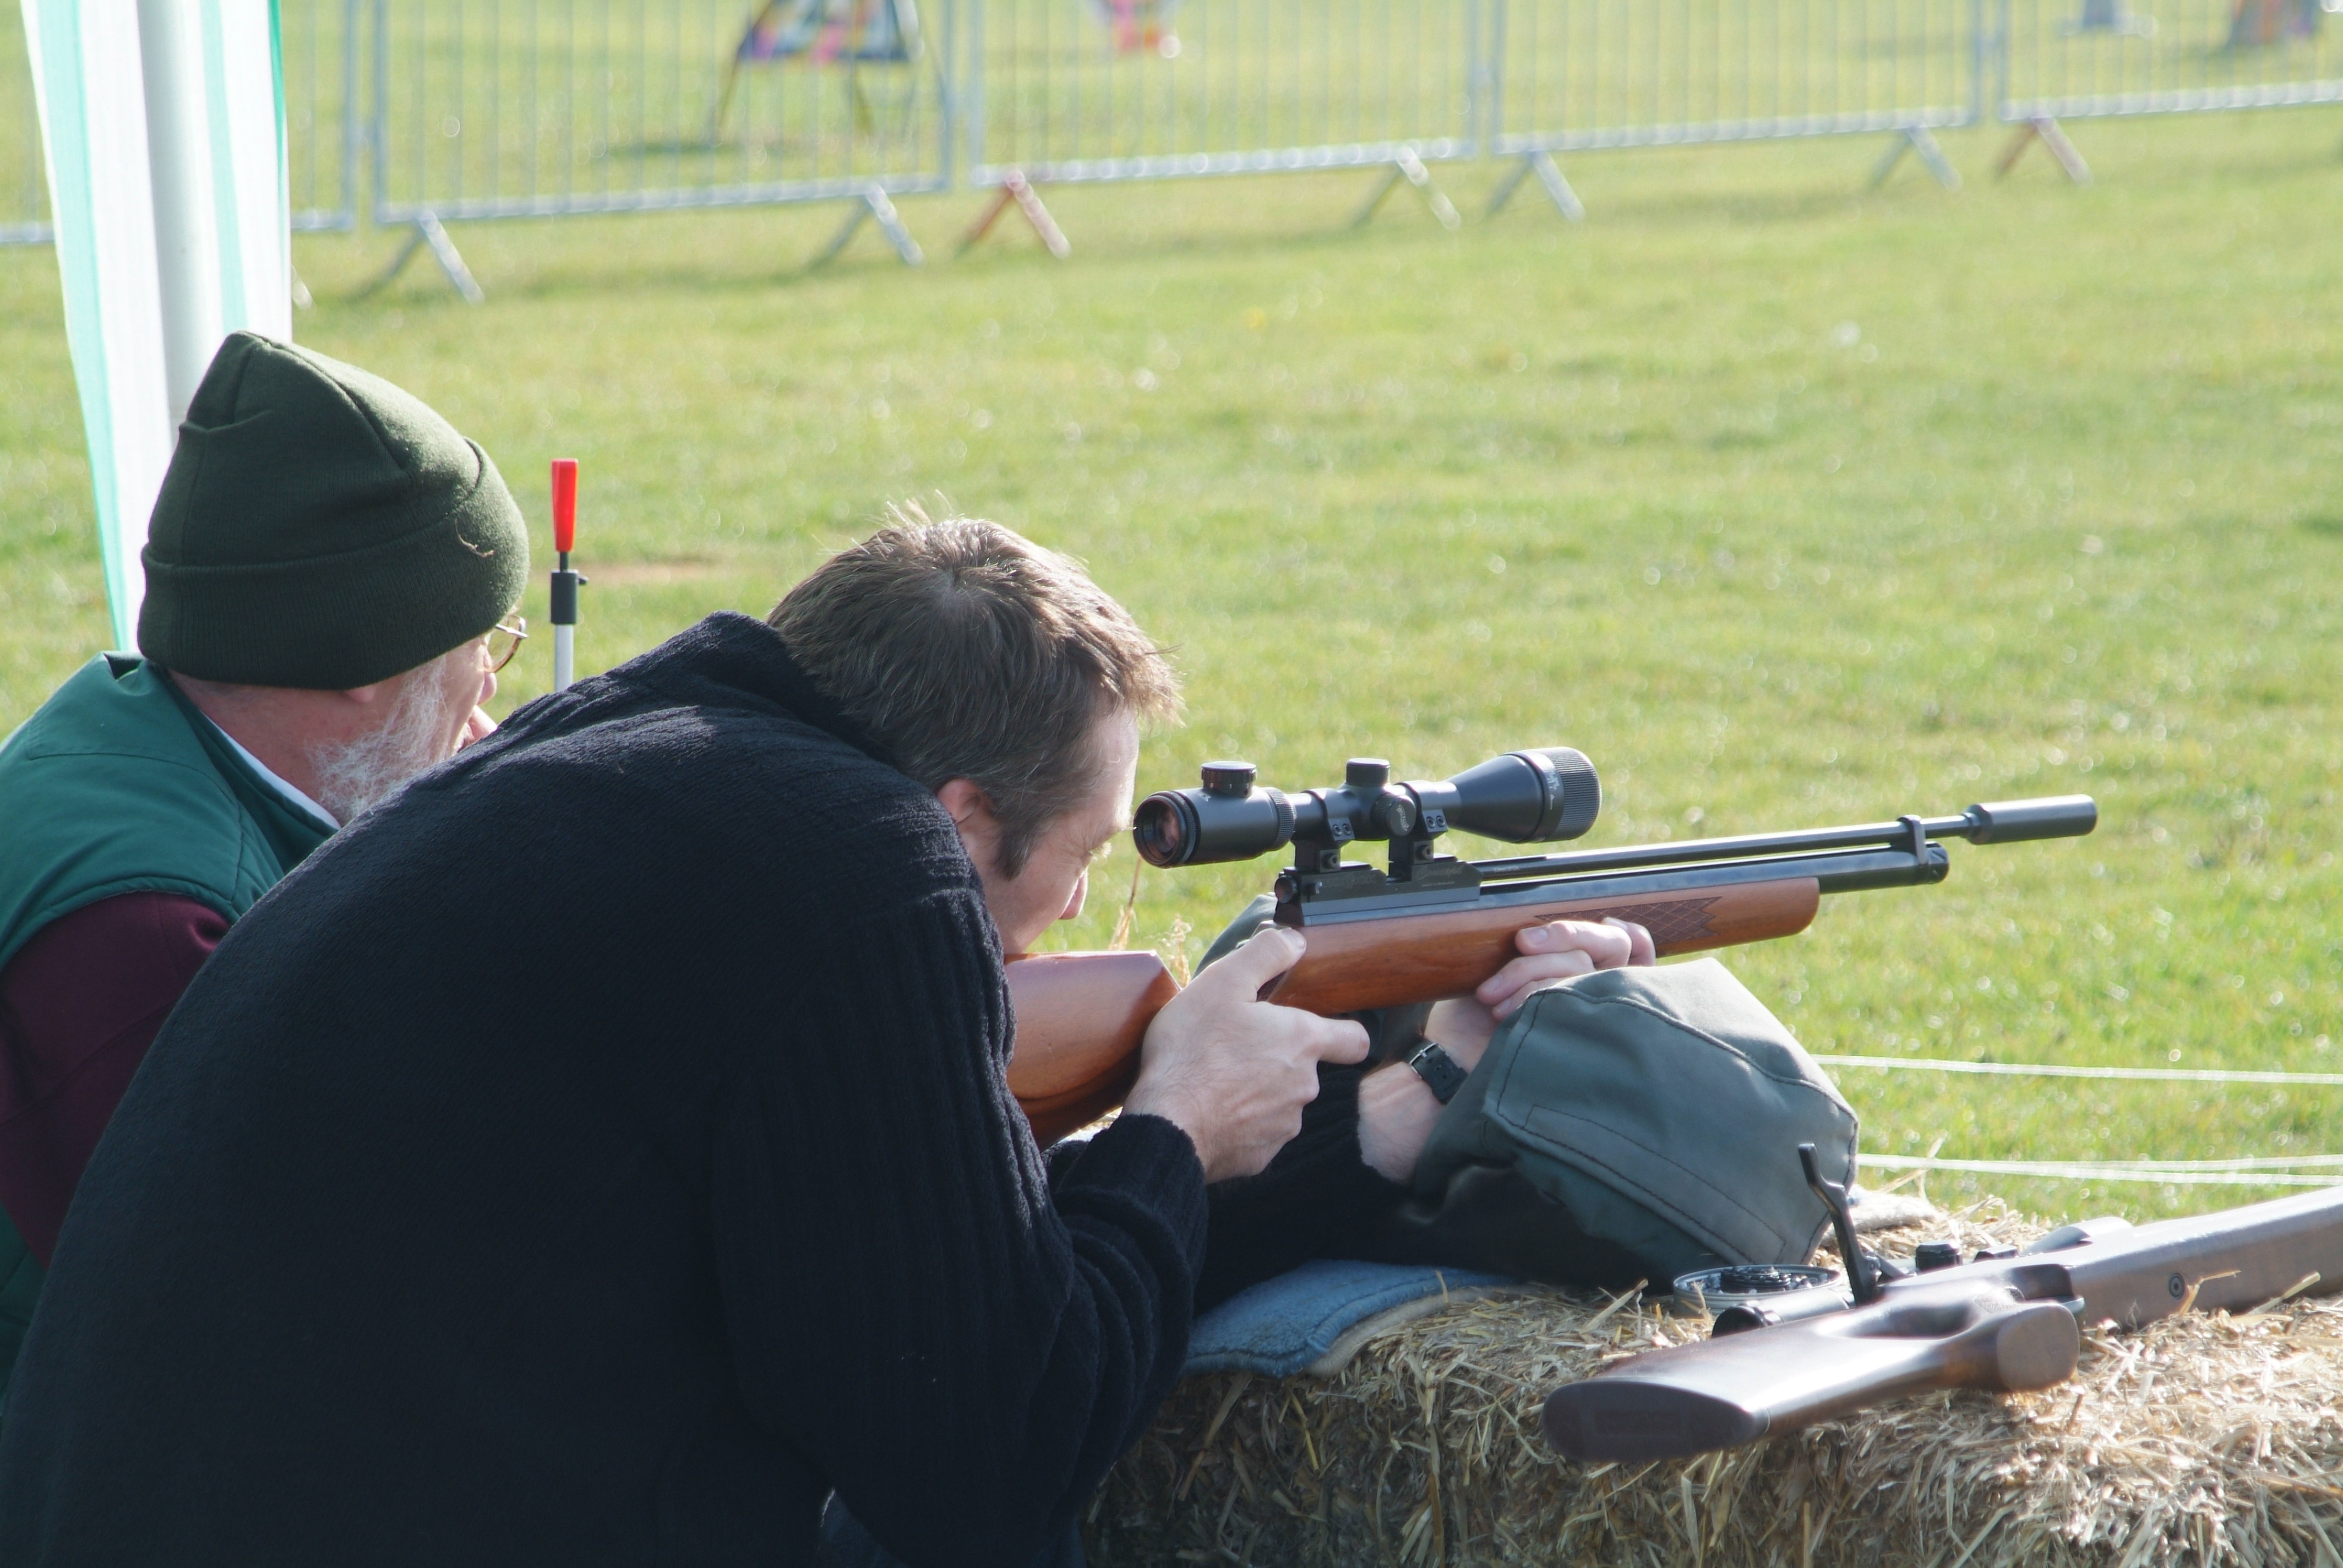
[{"x": 565, "y": 581}]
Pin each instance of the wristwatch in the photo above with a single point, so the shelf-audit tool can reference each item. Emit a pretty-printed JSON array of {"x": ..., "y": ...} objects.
[{"x": 1438, "y": 1070}]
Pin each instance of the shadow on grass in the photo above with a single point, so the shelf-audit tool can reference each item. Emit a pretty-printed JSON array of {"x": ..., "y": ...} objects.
[
  {"x": 507, "y": 272},
  {"x": 1701, "y": 204},
  {"x": 556, "y": 278}
]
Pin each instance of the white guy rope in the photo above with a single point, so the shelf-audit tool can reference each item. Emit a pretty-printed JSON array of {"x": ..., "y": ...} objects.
[
  {"x": 2261, "y": 1170},
  {"x": 2046, "y": 1069},
  {"x": 2154, "y": 1173}
]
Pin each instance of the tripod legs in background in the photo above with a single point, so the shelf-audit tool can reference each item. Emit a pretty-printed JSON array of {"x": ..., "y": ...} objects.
[
  {"x": 1015, "y": 190},
  {"x": 1407, "y": 166},
  {"x": 429, "y": 233},
  {"x": 874, "y": 205},
  {"x": 1549, "y": 178},
  {"x": 2046, "y": 131},
  {"x": 1915, "y": 140}
]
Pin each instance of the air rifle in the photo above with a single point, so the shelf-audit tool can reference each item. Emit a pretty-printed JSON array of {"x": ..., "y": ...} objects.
[
  {"x": 2007, "y": 1323},
  {"x": 1430, "y": 926}
]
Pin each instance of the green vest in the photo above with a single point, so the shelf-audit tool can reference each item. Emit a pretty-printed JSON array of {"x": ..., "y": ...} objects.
[{"x": 119, "y": 785}]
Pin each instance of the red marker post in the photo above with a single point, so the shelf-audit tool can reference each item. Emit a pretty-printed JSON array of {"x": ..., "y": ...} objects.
[{"x": 565, "y": 581}]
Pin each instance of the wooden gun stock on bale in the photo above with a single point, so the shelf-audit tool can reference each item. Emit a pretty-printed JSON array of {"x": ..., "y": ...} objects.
[
  {"x": 2004, "y": 1324},
  {"x": 1434, "y": 925}
]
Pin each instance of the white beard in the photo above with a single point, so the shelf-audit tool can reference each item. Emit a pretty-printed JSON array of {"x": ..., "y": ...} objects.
[{"x": 356, "y": 774}]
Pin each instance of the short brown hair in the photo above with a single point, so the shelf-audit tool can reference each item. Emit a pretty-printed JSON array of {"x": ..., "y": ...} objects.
[{"x": 969, "y": 652}]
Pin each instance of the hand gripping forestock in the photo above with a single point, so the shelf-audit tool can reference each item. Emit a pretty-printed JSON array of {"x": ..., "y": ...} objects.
[{"x": 1081, "y": 1017}]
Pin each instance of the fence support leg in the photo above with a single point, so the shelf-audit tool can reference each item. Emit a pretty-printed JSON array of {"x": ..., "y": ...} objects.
[
  {"x": 428, "y": 233},
  {"x": 1549, "y": 177},
  {"x": 1013, "y": 188},
  {"x": 1406, "y": 166},
  {"x": 872, "y": 203},
  {"x": 2045, "y": 130},
  {"x": 1915, "y": 140}
]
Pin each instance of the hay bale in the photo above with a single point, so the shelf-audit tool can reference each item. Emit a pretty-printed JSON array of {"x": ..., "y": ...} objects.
[{"x": 2205, "y": 1439}]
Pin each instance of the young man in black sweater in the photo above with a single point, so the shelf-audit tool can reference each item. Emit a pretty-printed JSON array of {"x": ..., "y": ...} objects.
[{"x": 707, "y": 1196}]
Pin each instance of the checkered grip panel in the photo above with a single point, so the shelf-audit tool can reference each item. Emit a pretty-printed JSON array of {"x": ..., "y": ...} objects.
[{"x": 1677, "y": 920}]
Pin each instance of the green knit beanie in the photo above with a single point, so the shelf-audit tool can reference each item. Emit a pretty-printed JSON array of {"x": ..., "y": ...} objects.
[{"x": 319, "y": 527}]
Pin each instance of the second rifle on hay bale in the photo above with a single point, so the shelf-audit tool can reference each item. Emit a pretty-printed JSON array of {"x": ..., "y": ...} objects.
[{"x": 2205, "y": 1439}]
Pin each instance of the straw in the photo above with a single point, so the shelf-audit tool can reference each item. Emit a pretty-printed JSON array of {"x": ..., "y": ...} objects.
[{"x": 2205, "y": 1439}]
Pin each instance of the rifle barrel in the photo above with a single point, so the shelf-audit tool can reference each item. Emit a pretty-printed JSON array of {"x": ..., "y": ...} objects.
[{"x": 1998, "y": 822}]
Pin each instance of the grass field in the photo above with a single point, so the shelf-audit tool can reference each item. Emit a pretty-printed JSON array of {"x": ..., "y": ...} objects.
[{"x": 1788, "y": 504}]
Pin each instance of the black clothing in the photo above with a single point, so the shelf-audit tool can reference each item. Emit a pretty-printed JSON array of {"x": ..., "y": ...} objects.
[
  {"x": 1318, "y": 1199},
  {"x": 596, "y": 1154},
  {"x": 846, "y": 1544}
]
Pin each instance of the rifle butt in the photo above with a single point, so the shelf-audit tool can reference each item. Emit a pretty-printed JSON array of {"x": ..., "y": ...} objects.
[
  {"x": 1402, "y": 959},
  {"x": 1724, "y": 1393},
  {"x": 1079, "y": 1020}
]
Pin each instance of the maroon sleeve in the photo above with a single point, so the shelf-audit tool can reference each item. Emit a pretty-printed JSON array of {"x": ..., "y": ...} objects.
[{"x": 79, "y": 1005}]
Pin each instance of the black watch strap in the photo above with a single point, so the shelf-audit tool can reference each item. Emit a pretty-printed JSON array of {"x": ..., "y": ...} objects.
[{"x": 1438, "y": 1070}]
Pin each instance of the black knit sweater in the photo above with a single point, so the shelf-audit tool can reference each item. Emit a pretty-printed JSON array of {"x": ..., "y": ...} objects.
[{"x": 598, "y": 1154}]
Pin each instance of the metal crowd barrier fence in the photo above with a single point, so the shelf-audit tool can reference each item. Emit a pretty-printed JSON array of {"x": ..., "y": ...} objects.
[
  {"x": 1063, "y": 91},
  {"x": 477, "y": 109},
  {"x": 317, "y": 45},
  {"x": 2082, "y": 59},
  {"x": 322, "y": 125},
  {"x": 1583, "y": 75},
  {"x": 542, "y": 108}
]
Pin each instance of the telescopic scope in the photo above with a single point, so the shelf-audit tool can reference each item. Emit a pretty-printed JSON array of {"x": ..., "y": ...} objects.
[{"x": 1522, "y": 797}]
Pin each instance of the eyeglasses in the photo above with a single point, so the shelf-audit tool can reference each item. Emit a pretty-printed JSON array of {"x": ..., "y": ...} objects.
[{"x": 503, "y": 641}]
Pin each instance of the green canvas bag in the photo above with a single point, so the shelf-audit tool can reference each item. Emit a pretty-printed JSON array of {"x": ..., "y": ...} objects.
[
  {"x": 1659, "y": 1110},
  {"x": 1629, "y": 1124}
]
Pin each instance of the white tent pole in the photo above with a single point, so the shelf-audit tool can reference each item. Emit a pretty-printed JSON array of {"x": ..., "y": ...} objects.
[
  {"x": 162, "y": 126},
  {"x": 86, "y": 85},
  {"x": 179, "y": 159}
]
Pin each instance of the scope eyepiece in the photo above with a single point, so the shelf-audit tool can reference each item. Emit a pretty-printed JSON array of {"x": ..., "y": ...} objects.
[
  {"x": 1522, "y": 797},
  {"x": 1218, "y": 822}
]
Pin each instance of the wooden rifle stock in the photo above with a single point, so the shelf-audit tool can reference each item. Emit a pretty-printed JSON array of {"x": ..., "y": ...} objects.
[
  {"x": 2006, "y": 1324},
  {"x": 1079, "y": 1020},
  {"x": 1403, "y": 959},
  {"x": 1081, "y": 1016}
]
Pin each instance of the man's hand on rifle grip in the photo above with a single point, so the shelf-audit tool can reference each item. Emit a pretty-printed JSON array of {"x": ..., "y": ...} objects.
[
  {"x": 1558, "y": 950},
  {"x": 1233, "y": 1071},
  {"x": 1396, "y": 1109}
]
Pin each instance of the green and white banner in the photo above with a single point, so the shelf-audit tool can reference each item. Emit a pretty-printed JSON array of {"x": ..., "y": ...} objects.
[{"x": 163, "y": 122}]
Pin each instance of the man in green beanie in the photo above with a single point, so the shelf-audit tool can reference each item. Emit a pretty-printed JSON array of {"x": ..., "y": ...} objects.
[{"x": 330, "y": 569}]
